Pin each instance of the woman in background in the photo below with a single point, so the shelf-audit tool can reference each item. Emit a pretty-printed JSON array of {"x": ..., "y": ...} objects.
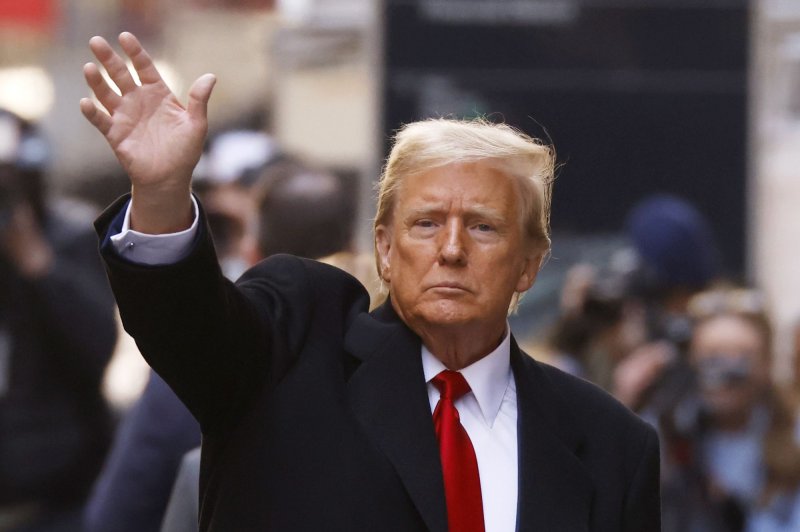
[{"x": 732, "y": 459}]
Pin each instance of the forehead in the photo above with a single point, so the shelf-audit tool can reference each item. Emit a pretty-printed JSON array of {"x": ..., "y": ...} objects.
[
  {"x": 474, "y": 184},
  {"x": 726, "y": 334}
]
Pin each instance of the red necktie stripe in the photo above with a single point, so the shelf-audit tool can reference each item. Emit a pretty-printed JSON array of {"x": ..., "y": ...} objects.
[{"x": 462, "y": 485}]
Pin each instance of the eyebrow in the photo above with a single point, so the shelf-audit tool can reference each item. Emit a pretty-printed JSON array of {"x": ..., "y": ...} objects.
[{"x": 475, "y": 211}]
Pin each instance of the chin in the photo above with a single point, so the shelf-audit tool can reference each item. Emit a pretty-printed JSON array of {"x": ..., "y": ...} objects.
[{"x": 446, "y": 312}]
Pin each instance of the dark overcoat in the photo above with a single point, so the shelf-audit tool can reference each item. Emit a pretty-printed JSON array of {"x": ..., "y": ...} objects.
[{"x": 315, "y": 414}]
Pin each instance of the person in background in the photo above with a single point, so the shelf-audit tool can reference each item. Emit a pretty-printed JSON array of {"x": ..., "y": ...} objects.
[
  {"x": 796, "y": 364},
  {"x": 57, "y": 334},
  {"x": 227, "y": 180},
  {"x": 678, "y": 258},
  {"x": 600, "y": 323},
  {"x": 623, "y": 323},
  {"x": 735, "y": 465},
  {"x": 308, "y": 212}
]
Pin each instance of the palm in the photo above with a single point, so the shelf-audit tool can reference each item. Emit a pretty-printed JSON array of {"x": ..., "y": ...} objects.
[
  {"x": 153, "y": 136},
  {"x": 156, "y": 139}
]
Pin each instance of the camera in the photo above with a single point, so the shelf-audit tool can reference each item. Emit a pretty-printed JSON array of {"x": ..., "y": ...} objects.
[{"x": 23, "y": 155}]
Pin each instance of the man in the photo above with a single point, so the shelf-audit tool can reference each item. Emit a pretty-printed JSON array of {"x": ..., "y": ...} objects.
[
  {"x": 57, "y": 334},
  {"x": 318, "y": 415}
]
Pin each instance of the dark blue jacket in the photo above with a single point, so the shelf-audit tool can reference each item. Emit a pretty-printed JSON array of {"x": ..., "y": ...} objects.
[{"x": 134, "y": 487}]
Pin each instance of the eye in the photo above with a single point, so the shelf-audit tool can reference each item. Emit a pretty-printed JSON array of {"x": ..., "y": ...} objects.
[
  {"x": 484, "y": 228},
  {"x": 423, "y": 227}
]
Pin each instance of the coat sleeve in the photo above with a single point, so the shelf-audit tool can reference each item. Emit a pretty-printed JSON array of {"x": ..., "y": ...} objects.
[
  {"x": 213, "y": 342},
  {"x": 642, "y": 510}
]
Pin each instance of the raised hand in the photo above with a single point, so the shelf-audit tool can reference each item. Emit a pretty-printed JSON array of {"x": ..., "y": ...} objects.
[{"x": 157, "y": 140}]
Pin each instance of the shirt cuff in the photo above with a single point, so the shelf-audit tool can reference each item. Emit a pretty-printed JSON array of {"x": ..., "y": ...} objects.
[{"x": 154, "y": 250}]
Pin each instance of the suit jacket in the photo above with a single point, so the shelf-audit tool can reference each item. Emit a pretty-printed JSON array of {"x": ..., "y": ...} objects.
[{"x": 315, "y": 414}]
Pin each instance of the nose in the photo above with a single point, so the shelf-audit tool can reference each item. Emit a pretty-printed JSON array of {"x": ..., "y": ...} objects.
[{"x": 452, "y": 249}]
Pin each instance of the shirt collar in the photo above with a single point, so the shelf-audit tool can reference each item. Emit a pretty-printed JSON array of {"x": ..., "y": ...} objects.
[{"x": 488, "y": 377}]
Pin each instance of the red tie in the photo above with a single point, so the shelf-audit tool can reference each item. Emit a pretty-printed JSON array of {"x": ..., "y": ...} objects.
[{"x": 462, "y": 483}]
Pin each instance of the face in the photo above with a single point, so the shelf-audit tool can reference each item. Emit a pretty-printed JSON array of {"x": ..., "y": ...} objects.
[
  {"x": 231, "y": 213},
  {"x": 728, "y": 353},
  {"x": 454, "y": 251}
]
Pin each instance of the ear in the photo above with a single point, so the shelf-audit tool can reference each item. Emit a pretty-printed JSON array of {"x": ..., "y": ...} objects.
[
  {"x": 383, "y": 244},
  {"x": 530, "y": 270}
]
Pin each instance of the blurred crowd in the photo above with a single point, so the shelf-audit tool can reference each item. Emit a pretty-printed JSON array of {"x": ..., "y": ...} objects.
[
  {"x": 656, "y": 323},
  {"x": 660, "y": 327}
]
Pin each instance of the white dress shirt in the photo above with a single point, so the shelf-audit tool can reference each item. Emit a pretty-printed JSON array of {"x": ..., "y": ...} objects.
[
  {"x": 153, "y": 250},
  {"x": 488, "y": 413}
]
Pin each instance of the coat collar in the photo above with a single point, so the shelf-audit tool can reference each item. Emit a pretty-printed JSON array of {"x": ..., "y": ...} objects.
[
  {"x": 388, "y": 396},
  {"x": 555, "y": 489}
]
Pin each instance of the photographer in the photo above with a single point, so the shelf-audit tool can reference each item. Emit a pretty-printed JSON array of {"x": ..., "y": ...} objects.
[
  {"x": 57, "y": 333},
  {"x": 602, "y": 319},
  {"x": 732, "y": 461}
]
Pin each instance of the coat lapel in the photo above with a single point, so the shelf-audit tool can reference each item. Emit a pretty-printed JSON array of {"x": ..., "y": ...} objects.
[
  {"x": 555, "y": 490},
  {"x": 388, "y": 395}
]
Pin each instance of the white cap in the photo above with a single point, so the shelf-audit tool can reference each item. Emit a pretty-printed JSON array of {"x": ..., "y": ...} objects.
[{"x": 233, "y": 153}]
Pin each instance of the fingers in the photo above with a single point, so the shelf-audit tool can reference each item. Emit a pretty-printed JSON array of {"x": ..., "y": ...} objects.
[
  {"x": 98, "y": 118},
  {"x": 139, "y": 57},
  {"x": 113, "y": 63},
  {"x": 102, "y": 90},
  {"x": 199, "y": 93}
]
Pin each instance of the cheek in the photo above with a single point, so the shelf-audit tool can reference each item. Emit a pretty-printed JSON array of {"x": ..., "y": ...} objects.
[
  {"x": 413, "y": 255},
  {"x": 408, "y": 268}
]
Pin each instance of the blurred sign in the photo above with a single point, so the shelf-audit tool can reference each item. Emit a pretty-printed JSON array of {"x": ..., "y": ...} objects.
[
  {"x": 513, "y": 12},
  {"x": 638, "y": 96},
  {"x": 37, "y": 14},
  {"x": 234, "y": 4}
]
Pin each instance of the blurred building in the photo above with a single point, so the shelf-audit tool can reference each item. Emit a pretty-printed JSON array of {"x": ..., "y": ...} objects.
[{"x": 774, "y": 166}]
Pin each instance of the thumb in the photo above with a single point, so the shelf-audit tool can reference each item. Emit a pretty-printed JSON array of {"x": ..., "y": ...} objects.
[{"x": 199, "y": 93}]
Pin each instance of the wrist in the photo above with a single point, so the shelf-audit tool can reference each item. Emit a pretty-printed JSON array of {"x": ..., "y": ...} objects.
[{"x": 161, "y": 211}]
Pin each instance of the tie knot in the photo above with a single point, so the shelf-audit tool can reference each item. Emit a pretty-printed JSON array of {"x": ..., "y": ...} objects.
[{"x": 451, "y": 384}]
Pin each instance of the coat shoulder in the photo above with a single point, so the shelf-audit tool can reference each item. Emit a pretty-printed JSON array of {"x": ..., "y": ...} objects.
[{"x": 589, "y": 408}]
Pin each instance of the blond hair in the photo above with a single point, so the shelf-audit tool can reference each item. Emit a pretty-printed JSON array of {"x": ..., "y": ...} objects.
[{"x": 421, "y": 146}]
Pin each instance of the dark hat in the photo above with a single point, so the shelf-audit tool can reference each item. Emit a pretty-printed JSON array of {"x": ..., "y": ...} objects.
[{"x": 674, "y": 240}]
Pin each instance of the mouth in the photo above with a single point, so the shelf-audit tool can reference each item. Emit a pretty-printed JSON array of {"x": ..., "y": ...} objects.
[{"x": 449, "y": 287}]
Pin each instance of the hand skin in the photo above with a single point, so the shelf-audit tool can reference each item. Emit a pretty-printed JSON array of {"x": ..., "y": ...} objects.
[
  {"x": 24, "y": 244},
  {"x": 640, "y": 370},
  {"x": 156, "y": 139}
]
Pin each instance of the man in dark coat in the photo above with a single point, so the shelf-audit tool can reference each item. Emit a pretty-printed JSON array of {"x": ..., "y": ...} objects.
[
  {"x": 318, "y": 415},
  {"x": 57, "y": 334}
]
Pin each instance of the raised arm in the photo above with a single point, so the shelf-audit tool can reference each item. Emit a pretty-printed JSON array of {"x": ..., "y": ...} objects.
[{"x": 157, "y": 140}]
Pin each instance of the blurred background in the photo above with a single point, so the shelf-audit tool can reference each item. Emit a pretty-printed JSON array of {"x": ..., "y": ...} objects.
[
  {"x": 676, "y": 123},
  {"x": 696, "y": 98}
]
